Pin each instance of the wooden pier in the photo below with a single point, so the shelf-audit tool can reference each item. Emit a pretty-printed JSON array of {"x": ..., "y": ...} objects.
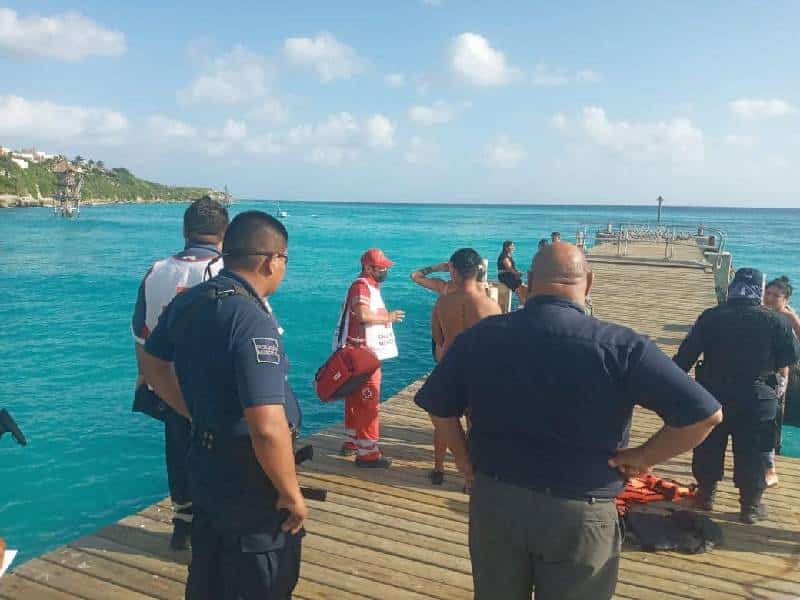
[{"x": 391, "y": 534}]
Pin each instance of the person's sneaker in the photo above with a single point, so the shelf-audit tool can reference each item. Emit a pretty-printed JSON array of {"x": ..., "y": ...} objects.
[
  {"x": 436, "y": 477},
  {"x": 347, "y": 449},
  {"x": 181, "y": 535},
  {"x": 704, "y": 498},
  {"x": 379, "y": 463},
  {"x": 752, "y": 513}
]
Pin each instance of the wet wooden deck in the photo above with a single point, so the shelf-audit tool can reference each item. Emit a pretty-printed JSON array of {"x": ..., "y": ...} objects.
[{"x": 390, "y": 534}]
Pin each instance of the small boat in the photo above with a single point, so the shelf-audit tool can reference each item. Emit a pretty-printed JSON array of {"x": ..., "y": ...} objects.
[{"x": 282, "y": 214}]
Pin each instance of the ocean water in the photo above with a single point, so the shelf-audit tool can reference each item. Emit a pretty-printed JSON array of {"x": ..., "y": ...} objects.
[{"x": 67, "y": 291}]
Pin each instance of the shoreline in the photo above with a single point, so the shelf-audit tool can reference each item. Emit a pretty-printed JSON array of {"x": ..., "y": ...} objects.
[{"x": 13, "y": 201}]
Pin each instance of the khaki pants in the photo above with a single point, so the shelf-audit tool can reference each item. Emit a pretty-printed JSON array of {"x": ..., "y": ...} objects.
[{"x": 523, "y": 541}]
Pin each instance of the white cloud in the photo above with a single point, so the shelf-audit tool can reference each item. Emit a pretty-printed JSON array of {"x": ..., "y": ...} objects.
[
  {"x": 264, "y": 144},
  {"x": 380, "y": 132},
  {"x": 503, "y": 154},
  {"x": 70, "y": 37},
  {"x": 439, "y": 112},
  {"x": 395, "y": 80},
  {"x": 559, "y": 121},
  {"x": 545, "y": 76},
  {"x": 588, "y": 76},
  {"x": 36, "y": 120},
  {"x": 166, "y": 128},
  {"x": 342, "y": 137},
  {"x": 435, "y": 3},
  {"x": 474, "y": 59},
  {"x": 331, "y": 155},
  {"x": 222, "y": 141},
  {"x": 271, "y": 110},
  {"x": 740, "y": 141},
  {"x": 677, "y": 140},
  {"x": 234, "y": 131},
  {"x": 232, "y": 78},
  {"x": 339, "y": 129},
  {"x": 329, "y": 57},
  {"x": 420, "y": 151},
  {"x": 761, "y": 109}
]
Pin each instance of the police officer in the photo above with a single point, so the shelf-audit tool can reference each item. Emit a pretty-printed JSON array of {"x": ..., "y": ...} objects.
[
  {"x": 231, "y": 370},
  {"x": 551, "y": 392},
  {"x": 204, "y": 224},
  {"x": 743, "y": 345}
]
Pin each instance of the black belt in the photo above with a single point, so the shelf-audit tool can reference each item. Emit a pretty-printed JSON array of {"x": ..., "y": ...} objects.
[
  {"x": 213, "y": 440},
  {"x": 210, "y": 440},
  {"x": 554, "y": 492}
]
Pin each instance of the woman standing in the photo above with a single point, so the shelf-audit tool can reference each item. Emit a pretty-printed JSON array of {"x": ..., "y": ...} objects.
[{"x": 776, "y": 297}]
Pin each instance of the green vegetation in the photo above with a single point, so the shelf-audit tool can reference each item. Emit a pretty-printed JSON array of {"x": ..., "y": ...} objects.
[{"x": 114, "y": 185}]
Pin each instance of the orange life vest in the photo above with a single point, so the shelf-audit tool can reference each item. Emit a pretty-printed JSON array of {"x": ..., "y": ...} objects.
[{"x": 649, "y": 488}]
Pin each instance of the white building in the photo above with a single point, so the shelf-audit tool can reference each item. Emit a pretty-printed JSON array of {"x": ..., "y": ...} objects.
[
  {"x": 27, "y": 156},
  {"x": 21, "y": 163},
  {"x": 40, "y": 156},
  {"x": 4, "y": 151}
]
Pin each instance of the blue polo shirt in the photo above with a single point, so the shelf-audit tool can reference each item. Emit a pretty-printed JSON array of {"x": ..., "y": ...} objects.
[
  {"x": 229, "y": 358},
  {"x": 551, "y": 392}
]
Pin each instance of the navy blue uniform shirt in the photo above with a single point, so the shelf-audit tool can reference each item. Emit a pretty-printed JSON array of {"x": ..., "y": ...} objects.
[
  {"x": 229, "y": 358},
  {"x": 742, "y": 343},
  {"x": 552, "y": 390}
]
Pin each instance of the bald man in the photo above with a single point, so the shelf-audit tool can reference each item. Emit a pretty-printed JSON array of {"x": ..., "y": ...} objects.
[{"x": 551, "y": 391}]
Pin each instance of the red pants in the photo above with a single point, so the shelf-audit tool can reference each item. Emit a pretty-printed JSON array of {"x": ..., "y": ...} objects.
[{"x": 361, "y": 422}]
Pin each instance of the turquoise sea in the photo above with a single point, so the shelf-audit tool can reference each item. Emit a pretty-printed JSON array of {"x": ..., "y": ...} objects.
[{"x": 67, "y": 291}]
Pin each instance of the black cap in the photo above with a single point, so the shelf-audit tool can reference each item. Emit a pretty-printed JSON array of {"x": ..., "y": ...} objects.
[{"x": 750, "y": 276}]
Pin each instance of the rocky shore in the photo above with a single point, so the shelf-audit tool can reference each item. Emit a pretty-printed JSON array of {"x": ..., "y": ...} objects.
[{"x": 13, "y": 201}]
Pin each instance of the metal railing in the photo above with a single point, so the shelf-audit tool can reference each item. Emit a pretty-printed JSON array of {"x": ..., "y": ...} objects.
[{"x": 624, "y": 235}]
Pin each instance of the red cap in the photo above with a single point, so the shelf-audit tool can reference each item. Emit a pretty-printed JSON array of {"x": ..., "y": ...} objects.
[{"x": 374, "y": 257}]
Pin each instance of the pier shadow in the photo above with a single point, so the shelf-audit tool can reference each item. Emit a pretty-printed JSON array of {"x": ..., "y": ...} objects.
[{"x": 124, "y": 539}]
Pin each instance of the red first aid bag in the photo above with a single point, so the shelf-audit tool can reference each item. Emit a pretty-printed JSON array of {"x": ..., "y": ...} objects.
[{"x": 344, "y": 372}]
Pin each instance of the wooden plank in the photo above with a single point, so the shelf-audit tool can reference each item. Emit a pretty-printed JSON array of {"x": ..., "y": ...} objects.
[
  {"x": 75, "y": 582},
  {"x": 19, "y": 588}
]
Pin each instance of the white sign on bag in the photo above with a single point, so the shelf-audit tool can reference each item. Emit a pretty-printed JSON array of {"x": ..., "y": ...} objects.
[
  {"x": 378, "y": 337},
  {"x": 7, "y": 558}
]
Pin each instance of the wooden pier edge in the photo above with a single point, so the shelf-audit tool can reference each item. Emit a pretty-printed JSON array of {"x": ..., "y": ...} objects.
[{"x": 391, "y": 534}]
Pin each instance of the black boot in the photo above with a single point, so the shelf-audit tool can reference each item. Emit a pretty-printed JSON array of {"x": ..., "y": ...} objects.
[
  {"x": 752, "y": 509},
  {"x": 181, "y": 535},
  {"x": 704, "y": 497}
]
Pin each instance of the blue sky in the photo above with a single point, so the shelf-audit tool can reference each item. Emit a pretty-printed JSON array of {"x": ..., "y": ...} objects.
[{"x": 417, "y": 100}]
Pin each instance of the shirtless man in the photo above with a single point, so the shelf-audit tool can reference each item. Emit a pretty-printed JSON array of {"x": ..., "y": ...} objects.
[
  {"x": 440, "y": 287},
  {"x": 464, "y": 305}
]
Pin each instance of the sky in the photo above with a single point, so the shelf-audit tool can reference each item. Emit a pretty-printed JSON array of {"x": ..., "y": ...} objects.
[{"x": 417, "y": 100}]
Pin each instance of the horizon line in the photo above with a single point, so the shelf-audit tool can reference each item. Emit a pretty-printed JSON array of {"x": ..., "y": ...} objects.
[{"x": 515, "y": 204}]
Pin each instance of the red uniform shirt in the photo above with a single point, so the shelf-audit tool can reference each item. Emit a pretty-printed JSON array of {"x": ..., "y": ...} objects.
[{"x": 359, "y": 294}]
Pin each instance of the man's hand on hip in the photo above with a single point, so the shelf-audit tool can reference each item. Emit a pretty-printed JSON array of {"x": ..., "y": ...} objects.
[
  {"x": 630, "y": 462},
  {"x": 298, "y": 512}
]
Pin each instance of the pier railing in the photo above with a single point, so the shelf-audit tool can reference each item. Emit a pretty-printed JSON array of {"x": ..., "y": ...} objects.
[{"x": 682, "y": 244}]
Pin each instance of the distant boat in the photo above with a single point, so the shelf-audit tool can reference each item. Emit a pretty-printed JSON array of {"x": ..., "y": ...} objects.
[{"x": 282, "y": 214}]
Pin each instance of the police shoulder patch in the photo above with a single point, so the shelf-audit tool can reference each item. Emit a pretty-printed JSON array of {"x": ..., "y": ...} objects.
[{"x": 267, "y": 350}]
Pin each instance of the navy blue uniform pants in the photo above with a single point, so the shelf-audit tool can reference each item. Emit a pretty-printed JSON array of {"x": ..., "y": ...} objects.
[
  {"x": 177, "y": 437},
  {"x": 256, "y": 566},
  {"x": 753, "y": 440}
]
